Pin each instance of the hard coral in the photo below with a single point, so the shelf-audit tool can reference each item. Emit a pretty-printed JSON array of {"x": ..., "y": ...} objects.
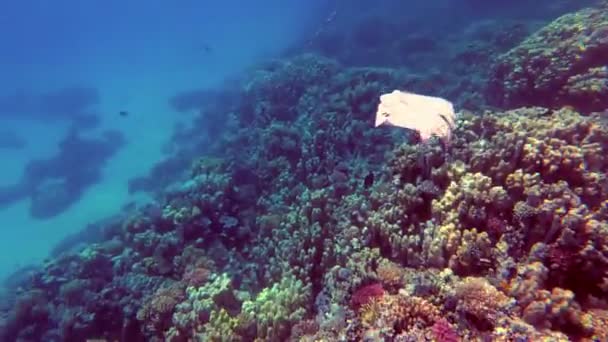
[
  {"x": 520, "y": 197},
  {"x": 156, "y": 313},
  {"x": 304, "y": 331},
  {"x": 196, "y": 276},
  {"x": 393, "y": 315},
  {"x": 561, "y": 64},
  {"x": 276, "y": 309},
  {"x": 558, "y": 308},
  {"x": 480, "y": 303},
  {"x": 390, "y": 274}
]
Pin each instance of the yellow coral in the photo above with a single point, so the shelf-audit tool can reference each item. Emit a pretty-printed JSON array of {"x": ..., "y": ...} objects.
[
  {"x": 599, "y": 323},
  {"x": 277, "y": 308},
  {"x": 371, "y": 311},
  {"x": 220, "y": 328}
]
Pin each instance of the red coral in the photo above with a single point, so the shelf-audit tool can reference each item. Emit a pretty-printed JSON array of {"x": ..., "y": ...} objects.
[
  {"x": 444, "y": 332},
  {"x": 366, "y": 293}
]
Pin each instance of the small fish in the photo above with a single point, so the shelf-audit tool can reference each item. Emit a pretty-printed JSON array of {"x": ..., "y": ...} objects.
[
  {"x": 123, "y": 113},
  {"x": 369, "y": 180},
  {"x": 206, "y": 48}
]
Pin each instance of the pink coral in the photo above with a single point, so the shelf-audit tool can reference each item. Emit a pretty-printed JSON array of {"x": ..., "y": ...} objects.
[{"x": 444, "y": 332}]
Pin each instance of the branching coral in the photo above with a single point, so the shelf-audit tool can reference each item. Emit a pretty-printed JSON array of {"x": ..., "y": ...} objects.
[
  {"x": 201, "y": 302},
  {"x": 464, "y": 203},
  {"x": 276, "y": 309}
]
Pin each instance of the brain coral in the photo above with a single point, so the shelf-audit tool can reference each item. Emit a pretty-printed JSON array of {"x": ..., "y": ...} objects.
[{"x": 563, "y": 63}]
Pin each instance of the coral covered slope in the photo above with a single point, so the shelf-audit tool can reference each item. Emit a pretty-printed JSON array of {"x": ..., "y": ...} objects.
[
  {"x": 305, "y": 223},
  {"x": 565, "y": 63}
]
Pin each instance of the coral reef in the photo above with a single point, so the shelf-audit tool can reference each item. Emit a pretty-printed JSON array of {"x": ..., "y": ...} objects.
[
  {"x": 564, "y": 63},
  {"x": 315, "y": 226}
]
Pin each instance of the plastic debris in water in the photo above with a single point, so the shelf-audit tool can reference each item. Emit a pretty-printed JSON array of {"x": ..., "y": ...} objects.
[{"x": 428, "y": 115}]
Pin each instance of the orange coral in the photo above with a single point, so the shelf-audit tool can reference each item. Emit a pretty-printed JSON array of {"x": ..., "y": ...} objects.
[{"x": 599, "y": 319}]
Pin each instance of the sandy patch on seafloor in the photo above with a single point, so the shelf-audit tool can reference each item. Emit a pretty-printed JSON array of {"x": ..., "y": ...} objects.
[{"x": 26, "y": 240}]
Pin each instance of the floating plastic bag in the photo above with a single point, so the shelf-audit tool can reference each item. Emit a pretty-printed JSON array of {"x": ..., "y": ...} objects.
[{"x": 428, "y": 115}]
